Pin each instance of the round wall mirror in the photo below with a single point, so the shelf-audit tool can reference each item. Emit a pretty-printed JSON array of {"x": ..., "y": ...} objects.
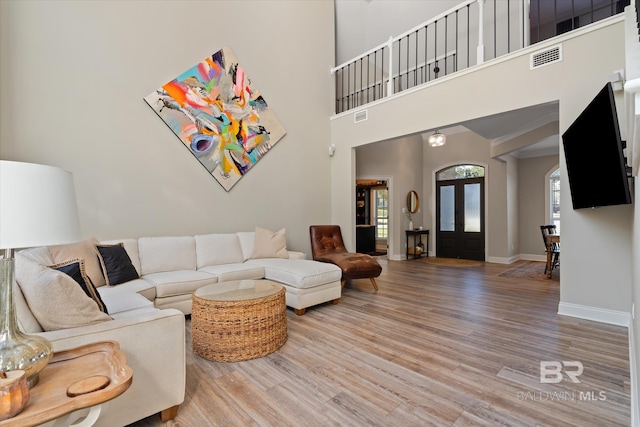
[{"x": 413, "y": 202}]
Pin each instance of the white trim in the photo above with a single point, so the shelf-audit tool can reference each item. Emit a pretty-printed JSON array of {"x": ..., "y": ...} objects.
[
  {"x": 522, "y": 52},
  {"x": 391, "y": 223},
  {"x": 602, "y": 315},
  {"x": 547, "y": 194},
  {"x": 503, "y": 260},
  {"x": 633, "y": 378},
  {"x": 434, "y": 181},
  {"x": 533, "y": 257}
]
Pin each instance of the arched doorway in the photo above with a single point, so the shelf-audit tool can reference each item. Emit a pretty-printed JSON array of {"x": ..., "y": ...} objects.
[{"x": 460, "y": 212}]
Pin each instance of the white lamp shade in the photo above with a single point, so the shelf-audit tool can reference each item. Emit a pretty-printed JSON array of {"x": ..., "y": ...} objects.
[{"x": 37, "y": 206}]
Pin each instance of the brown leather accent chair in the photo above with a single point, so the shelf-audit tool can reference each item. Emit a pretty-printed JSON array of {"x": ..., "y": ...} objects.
[{"x": 327, "y": 246}]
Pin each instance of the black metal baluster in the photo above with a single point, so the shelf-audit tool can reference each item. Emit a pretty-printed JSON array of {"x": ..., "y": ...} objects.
[
  {"x": 426, "y": 53},
  {"x": 435, "y": 50}
]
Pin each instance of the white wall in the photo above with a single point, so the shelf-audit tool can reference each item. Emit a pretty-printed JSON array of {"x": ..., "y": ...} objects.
[
  {"x": 469, "y": 147},
  {"x": 401, "y": 161},
  {"x": 591, "y": 241},
  {"x": 72, "y": 78},
  {"x": 532, "y": 203}
]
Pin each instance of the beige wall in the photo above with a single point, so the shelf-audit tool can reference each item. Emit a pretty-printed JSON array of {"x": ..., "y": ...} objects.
[
  {"x": 504, "y": 85},
  {"x": 72, "y": 78},
  {"x": 468, "y": 147},
  {"x": 531, "y": 202},
  {"x": 399, "y": 161}
]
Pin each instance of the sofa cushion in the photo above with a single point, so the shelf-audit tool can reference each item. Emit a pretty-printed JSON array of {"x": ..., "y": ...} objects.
[
  {"x": 75, "y": 269},
  {"x": 179, "y": 282},
  {"x": 216, "y": 249},
  {"x": 131, "y": 246},
  {"x": 115, "y": 263},
  {"x": 80, "y": 250},
  {"x": 299, "y": 273},
  {"x": 236, "y": 271},
  {"x": 167, "y": 253},
  {"x": 268, "y": 244},
  {"x": 138, "y": 286},
  {"x": 246, "y": 242},
  {"x": 120, "y": 300},
  {"x": 55, "y": 299},
  {"x": 40, "y": 255}
]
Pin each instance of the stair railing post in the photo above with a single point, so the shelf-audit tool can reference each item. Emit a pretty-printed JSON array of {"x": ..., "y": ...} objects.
[
  {"x": 390, "y": 81},
  {"x": 480, "y": 52}
]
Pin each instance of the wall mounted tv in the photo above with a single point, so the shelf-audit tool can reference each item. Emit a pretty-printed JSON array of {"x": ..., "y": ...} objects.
[{"x": 593, "y": 151}]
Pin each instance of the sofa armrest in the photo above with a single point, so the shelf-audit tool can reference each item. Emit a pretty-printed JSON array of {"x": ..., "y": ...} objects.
[
  {"x": 297, "y": 255},
  {"x": 154, "y": 346}
]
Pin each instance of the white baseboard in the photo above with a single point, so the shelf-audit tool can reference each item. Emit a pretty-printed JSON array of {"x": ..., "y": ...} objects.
[
  {"x": 635, "y": 422},
  {"x": 533, "y": 257},
  {"x": 503, "y": 260},
  {"x": 602, "y": 315}
]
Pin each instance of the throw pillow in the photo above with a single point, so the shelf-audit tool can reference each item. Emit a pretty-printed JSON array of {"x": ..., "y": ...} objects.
[
  {"x": 55, "y": 299},
  {"x": 268, "y": 244},
  {"x": 116, "y": 265},
  {"x": 75, "y": 269},
  {"x": 81, "y": 250}
]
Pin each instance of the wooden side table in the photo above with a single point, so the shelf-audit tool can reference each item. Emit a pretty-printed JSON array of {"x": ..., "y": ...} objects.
[
  {"x": 78, "y": 372},
  {"x": 417, "y": 242}
]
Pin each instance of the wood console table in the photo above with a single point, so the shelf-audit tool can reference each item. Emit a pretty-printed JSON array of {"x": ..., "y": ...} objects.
[
  {"x": 417, "y": 242},
  {"x": 49, "y": 403}
]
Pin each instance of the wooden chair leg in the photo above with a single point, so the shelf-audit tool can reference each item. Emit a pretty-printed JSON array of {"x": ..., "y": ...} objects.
[
  {"x": 373, "y": 282},
  {"x": 300, "y": 311},
  {"x": 335, "y": 301},
  {"x": 169, "y": 413},
  {"x": 342, "y": 282}
]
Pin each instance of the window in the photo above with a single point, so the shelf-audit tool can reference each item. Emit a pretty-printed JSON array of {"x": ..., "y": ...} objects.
[
  {"x": 381, "y": 212},
  {"x": 554, "y": 199},
  {"x": 460, "y": 172}
]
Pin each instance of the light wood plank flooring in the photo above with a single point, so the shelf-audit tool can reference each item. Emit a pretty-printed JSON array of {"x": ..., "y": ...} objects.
[{"x": 440, "y": 346}]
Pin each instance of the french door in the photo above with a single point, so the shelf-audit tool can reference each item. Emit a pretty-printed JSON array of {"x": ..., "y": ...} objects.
[{"x": 460, "y": 218}]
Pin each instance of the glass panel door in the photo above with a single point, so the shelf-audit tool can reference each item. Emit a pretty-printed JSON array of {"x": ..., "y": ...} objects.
[
  {"x": 472, "y": 208},
  {"x": 447, "y": 208}
]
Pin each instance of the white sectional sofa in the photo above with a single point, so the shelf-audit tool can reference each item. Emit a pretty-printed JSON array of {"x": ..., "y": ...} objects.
[{"x": 147, "y": 313}]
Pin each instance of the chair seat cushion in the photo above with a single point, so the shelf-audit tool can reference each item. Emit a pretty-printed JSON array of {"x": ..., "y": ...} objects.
[
  {"x": 354, "y": 265},
  {"x": 299, "y": 273}
]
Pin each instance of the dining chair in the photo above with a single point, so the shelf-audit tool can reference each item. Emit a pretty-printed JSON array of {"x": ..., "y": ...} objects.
[{"x": 553, "y": 247}]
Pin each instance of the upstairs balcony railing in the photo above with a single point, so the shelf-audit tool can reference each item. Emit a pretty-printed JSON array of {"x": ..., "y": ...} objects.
[{"x": 469, "y": 34}]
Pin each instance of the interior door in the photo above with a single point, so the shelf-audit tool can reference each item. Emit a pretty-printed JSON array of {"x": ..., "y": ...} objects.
[{"x": 460, "y": 218}]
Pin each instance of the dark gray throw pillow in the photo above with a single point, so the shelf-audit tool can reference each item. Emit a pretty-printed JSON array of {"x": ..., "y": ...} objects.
[{"x": 116, "y": 264}]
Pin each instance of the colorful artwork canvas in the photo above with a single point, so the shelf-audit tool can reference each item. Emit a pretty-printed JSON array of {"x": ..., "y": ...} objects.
[{"x": 219, "y": 116}]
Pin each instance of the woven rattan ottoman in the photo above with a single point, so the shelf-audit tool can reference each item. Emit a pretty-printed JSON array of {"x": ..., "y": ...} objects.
[{"x": 238, "y": 320}]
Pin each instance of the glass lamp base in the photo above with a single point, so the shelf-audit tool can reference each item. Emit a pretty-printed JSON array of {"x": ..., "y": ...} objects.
[{"x": 18, "y": 351}]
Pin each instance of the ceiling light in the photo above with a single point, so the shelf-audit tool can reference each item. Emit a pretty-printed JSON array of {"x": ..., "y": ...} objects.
[{"x": 437, "y": 139}]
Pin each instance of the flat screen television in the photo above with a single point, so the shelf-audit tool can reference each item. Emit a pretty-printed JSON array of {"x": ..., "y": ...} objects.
[{"x": 594, "y": 154}]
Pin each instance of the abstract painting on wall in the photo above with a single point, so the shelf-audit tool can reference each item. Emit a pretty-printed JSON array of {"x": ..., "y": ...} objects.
[{"x": 219, "y": 116}]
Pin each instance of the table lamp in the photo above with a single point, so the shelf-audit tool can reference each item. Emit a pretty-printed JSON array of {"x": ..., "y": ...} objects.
[{"x": 37, "y": 208}]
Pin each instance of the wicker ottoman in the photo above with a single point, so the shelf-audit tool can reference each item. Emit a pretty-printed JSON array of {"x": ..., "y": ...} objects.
[{"x": 238, "y": 320}]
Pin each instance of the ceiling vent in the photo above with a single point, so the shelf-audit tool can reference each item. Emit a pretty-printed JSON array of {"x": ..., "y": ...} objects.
[
  {"x": 360, "y": 116},
  {"x": 546, "y": 57}
]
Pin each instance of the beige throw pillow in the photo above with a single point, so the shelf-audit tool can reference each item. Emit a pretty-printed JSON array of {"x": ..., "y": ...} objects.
[
  {"x": 268, "y": 244},
  {"x": 54, "y": 298},
  {"x": 81, "y": 250}
]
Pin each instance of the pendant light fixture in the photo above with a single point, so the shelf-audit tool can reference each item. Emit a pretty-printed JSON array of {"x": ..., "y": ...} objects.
[{"x": 437, "y": 139}]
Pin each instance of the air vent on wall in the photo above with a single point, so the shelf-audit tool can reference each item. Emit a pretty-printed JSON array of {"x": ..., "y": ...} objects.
[
  {"x": 546, "y": 57},
  {"x": 360, "y": 116}
]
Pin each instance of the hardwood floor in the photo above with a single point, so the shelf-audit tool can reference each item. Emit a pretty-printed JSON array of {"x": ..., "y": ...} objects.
[{"x": 440, "y": 346}]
